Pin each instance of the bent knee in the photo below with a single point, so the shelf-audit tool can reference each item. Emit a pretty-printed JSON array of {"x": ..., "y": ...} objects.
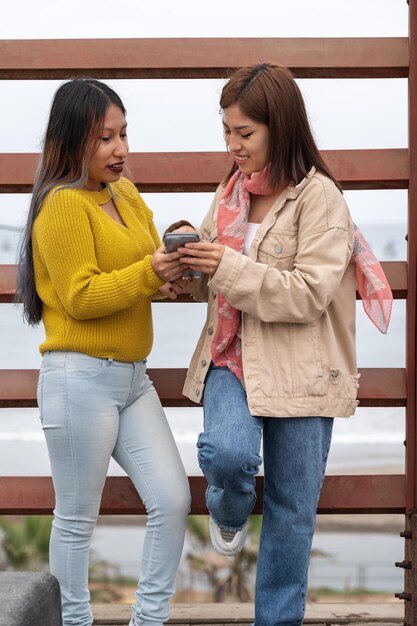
[{"x": 222, "y": 462}]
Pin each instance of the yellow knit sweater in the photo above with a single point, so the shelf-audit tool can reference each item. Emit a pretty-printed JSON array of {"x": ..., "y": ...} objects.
[{"x": 95, "y": 276}]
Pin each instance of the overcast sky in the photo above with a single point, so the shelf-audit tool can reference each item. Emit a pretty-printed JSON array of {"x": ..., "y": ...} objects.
[
  {"x": 191, "y": 18},
  {"x": 183, "y": 115}
]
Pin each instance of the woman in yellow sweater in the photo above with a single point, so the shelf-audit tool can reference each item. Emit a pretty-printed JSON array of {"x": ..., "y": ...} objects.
[{"x": 91, "y": 260}]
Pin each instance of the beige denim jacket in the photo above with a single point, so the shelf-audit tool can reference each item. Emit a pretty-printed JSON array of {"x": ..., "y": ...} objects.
[{"x": 296, "y": 291}]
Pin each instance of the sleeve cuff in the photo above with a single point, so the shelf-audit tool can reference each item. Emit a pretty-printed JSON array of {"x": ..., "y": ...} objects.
[
  {"x": 152, "y": 278},
  {"x": 228, "y": 271}
]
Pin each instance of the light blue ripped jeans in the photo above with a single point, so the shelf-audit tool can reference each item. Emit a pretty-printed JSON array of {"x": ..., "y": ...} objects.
[{"x": 91, "y": 410}]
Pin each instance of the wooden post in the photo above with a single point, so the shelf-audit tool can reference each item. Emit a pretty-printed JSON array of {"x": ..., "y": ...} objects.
[{"x": 410, "y": 534}]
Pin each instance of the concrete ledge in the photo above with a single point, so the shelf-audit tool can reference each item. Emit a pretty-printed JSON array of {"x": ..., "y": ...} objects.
[{"x": 29, "y": 599}]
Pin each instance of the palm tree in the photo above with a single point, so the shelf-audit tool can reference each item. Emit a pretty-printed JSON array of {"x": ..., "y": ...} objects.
[
  {"x": 229, "y": 577},
  {"x": 26, "y": 541}
]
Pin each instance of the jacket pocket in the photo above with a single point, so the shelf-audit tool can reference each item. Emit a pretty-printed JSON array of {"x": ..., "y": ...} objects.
[
  {"x": 306, "y": 360},
  {"x": 278, "y": 249}
]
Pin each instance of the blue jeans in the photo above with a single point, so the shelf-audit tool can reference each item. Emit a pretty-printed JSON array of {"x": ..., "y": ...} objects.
[
  {"x": 295, "y": 452},
  {"x": 91, "y": 410}
]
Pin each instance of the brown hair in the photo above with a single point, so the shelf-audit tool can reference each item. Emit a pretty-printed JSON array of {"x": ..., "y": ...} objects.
[
  {"x": 77, "y": 114},
  {"x": 268, "y": 94}
]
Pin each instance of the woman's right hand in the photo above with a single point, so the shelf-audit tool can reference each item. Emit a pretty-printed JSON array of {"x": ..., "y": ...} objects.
[{"x": 167, "y": 265}]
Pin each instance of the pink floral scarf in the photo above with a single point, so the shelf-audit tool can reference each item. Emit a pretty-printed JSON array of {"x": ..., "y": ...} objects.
[
  {"x": 373, "y": 286},
  {"x": 232, "y": 219}
]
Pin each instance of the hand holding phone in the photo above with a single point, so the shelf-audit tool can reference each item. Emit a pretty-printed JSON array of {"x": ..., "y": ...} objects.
[{"x": 173, "y": 241}]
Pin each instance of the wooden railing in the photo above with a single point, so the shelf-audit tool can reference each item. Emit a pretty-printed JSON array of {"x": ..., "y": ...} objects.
[
  {"x": 364, "y": 57},
  {"x": 201, "y": 171}
]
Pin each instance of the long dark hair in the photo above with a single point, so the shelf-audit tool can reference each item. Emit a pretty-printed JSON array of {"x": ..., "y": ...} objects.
[
  {"x": 77, "y": 114},
  {"x": 268, "y": 94}
]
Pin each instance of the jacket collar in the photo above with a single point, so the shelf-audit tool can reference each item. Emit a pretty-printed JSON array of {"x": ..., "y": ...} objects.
[
  {"x": 293, "y": 191},
  {"x": 290, "y": 193}
]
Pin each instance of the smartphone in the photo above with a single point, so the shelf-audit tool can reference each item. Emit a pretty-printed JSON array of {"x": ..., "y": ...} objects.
[{"x": 173, "y": 241}]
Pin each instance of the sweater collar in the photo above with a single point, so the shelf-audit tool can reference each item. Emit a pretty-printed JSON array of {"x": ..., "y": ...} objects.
[{"x": 100, "y": 197}]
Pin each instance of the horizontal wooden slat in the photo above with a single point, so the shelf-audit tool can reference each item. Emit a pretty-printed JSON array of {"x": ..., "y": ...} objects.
[
  {"x": 150, "y": 171},
  {"x": 7, "y": 283},
  {"x": 242, "y": 614},
  {"x": 202, "y": 57},
  {"x": 202, "y": 171},
  {"x": 340, "y": 494},
  {"x": 378, "y": 387},
  {"x": 396, "y": 272},
  {"x": 369, "y": 169}
]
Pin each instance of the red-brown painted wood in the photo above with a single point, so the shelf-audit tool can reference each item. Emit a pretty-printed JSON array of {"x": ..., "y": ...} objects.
[
  {"x": 201, "y": 58},
  {"x": 202, "y": 171},
  {"x": 340, "y": 494},
  {"x": 396, "y": 272},
  {"x": 411, "y": 354},
  {"x": 7, "y": 283},
  {"x": 363, "y": 494},
  {"x": 378, "y": 387}
]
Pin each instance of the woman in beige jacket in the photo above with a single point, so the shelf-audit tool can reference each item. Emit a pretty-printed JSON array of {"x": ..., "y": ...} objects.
[{"x": 276, "y": 357}]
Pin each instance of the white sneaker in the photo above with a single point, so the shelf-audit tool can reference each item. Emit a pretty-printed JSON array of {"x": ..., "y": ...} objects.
[
  {"x": 136, "y": 621},
  {"x": 227, "y": 542}
]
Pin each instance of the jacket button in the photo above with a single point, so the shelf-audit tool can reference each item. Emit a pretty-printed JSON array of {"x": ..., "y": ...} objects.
[
  {"x": 210, "y": 330},
  {"x": 203, "y": 363},
  {"x": 214, "y": 294},
  {"x": 279, "y": 248},
  {"x": 197, "y": 393}
]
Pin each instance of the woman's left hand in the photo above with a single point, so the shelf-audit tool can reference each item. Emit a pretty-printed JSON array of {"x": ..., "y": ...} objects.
[
  {"x": 205, "y": 257},
  {"x": 168, "y": 291},
  {"x": 182, "y": 285}
]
